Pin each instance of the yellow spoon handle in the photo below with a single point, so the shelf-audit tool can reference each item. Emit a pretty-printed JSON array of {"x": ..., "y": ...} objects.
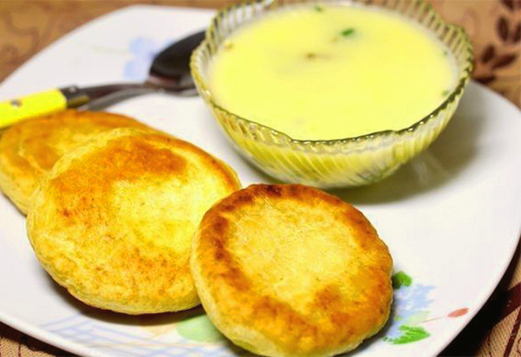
[{"x": 14, "y": 110}]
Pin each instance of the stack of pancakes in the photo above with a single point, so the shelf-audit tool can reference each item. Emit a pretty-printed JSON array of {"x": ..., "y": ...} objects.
[
  {"x": 133, "y": 220},
  {"x": 112, "y": 206}
]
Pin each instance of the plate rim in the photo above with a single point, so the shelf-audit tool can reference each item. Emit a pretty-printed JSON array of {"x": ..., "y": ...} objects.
[
  {"x": 58, "y": 341},
  {"x": 515, "y": 242}
]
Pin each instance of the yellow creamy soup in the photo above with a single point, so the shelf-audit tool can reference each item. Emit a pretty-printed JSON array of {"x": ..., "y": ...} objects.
[{"x": 329, "y": 72}]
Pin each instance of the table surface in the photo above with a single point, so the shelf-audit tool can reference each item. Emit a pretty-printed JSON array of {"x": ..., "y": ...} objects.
[{"x": 27, "y": 26}]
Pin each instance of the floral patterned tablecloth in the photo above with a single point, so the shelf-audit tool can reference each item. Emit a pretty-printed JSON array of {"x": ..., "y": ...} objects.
[{"x": 27, "y": 26}]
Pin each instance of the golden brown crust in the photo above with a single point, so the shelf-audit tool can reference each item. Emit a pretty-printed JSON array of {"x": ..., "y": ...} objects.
[
  {"x": 29, "y": 149},
  {"x": 113, "y": 222},
  {"x": 311, "y": 311}
]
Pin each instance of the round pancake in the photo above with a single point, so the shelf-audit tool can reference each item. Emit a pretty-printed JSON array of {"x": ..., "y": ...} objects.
[
  {"x": 114, "y": 219},
  {"x": 288, "y": 270},
  {"x": 29, "y": 149}
]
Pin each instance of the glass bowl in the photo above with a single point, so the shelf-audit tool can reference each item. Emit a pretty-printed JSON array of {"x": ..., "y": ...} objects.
[{"x": 353, "y": 161}]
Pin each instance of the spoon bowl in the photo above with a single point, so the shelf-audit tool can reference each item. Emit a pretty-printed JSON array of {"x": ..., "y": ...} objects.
[{"x": 169, "y": 73}]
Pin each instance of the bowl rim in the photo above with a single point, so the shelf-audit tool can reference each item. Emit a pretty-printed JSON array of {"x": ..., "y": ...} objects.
[{"x": 464, "y": 74}]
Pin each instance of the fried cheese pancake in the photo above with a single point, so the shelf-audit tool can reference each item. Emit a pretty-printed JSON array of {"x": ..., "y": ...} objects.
[
  {"x": 113, "y": 221},
  {"x": 288, "y": 270},
  {"x": 29, "y": 149}
]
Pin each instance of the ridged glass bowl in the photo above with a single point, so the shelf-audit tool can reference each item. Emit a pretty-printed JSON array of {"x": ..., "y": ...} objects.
[{"x": 344, "y": 162}]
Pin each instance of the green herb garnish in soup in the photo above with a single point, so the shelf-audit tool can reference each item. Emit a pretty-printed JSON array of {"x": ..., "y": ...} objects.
[
  {"x": 348, "y": 32},
  {"x": 331, "y": 71}
]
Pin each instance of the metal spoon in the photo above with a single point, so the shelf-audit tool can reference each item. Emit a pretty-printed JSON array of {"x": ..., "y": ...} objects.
[{"x": 169, "y": 72}]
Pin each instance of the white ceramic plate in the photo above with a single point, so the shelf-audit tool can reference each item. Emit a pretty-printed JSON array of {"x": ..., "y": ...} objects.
[{"x": 451, "y": 217}]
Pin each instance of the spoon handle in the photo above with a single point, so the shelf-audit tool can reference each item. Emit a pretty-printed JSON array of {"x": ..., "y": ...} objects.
[
  {"x": 55, "y": 100},
  {"x": 46, "y": 102}
]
